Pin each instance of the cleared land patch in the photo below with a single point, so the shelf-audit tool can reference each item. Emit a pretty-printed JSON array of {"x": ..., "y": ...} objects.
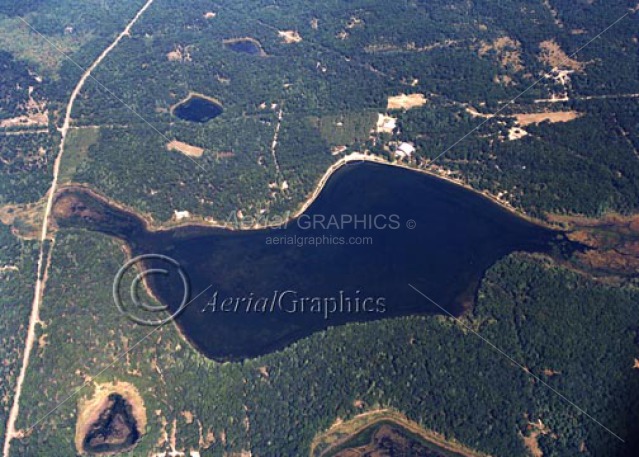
[
  {"x": 551, "y": 54},
  {"x": 404, "y": 101},
  {"x": 290, "y": 36},
  {"x": 36, "y": 114},
  {"x": 506, "y": 50},
  {"x": 185, "y": 148},
  {"x": 554, "y": 117},
  {"x": 385, "y": 124},
  {"x": 25, "y": 220}
]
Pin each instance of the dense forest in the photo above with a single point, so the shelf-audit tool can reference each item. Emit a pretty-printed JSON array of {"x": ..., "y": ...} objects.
[
  {"x": 576, "y": 335},
  {"x": 322, "y": 92}
]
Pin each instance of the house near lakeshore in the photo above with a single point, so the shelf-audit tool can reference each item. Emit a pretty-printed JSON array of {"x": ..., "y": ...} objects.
[{"x": 405, "y": 151}]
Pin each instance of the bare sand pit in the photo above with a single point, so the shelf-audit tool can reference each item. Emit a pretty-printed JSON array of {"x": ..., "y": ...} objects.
[
  {"x": 180, "y": 54},
  {"x": 385, "y": 124},
  {"x": 551, "y": 54},
  {"x": 403, "y": 101},
  {"x": 185, "y": 148},
  {"x": 506, "y": 50},
  {"x": 553, "y": 117},
  {"x": 290, "y": 36},
  {"x": 90, "y": 409},
  {"x": 516, "y": 133}
]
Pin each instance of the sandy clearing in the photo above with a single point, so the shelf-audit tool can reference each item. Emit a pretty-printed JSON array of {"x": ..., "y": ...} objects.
[
  {"x": 524, "y": 119},
  {"x": 385, "y": 124},
  {"x": 507, "y": 50},
  {"x": 26, "y": 120},
  {"x": 403, "y": 101},
  {"x": 185, "y": 148},
  {"x": 551, "y": 54},
  {"x": 516, "y": 133},
  {"x": 553, "y": 117},
  {"x": 532, "y": 444},
  {"x": 36, "y": 115},
  {"x": 290, "y": 36},
  {"x": 25, "y": 219}
]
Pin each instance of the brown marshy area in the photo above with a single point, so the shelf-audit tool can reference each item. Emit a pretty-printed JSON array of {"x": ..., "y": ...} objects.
[
  {"x": 385, "y": 432},
  {"x": 613, "y": 243},
  {"x": 113, "y": 420},
  {"x": 68, "y": 205}
]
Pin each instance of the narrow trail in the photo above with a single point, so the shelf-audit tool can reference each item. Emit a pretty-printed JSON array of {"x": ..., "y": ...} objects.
[
  {"x": 586, "y": 98},
  {"x": 43, "y": 264},
  {"x": 280, "y": 115}
]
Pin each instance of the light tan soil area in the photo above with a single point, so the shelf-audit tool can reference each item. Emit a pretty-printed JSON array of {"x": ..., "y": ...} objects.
[
  {"x": 507, "y": 51},
  {"x": 180, "y": 54},
  {"x": 403, "y": 101},
  {"x": 554, "y": 117},
  {"x": 36, "y": 115},
  {"x": 385, "y": 124},
  {"x": 524, "y": 119},
  {"x": 290, "y": 36},
  {"x": 89, "y": 409},
  {"x": 185, "y": 148},
  {"x": 551, "y": 54},
  {"x": 25, "y": 220}
]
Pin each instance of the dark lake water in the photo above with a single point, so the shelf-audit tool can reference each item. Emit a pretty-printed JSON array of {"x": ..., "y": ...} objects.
[
  {"x": 381, "y": 228},
  {"x": 197, "y": 109},
  {"x": 244, "y": 46}
]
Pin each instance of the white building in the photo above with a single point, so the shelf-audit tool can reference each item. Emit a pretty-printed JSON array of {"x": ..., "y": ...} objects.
[{"x": 405, "y": 151}]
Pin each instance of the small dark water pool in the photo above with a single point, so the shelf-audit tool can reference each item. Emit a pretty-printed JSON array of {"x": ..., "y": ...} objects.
[
  {"x": 114, "y": 431},
  {"x": 198, "y": 109},
  {"x": 245, "y": 46}
]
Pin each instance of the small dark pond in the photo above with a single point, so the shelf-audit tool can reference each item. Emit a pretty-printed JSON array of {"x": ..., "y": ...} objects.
[
  {"x": 198, "y": 109},
  {"x": 115, "y": 430},
  {"x": 244, "y": 46}
]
